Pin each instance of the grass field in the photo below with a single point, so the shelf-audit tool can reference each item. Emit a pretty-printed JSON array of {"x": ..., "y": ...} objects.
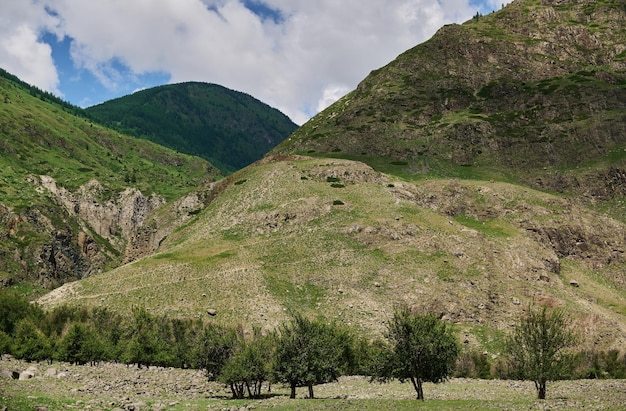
[{"x": 115, "y": 386}]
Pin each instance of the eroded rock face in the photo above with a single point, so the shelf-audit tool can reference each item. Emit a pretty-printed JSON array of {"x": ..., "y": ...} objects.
[
  {"x": 147, "y": 236},
  {"x": 75, "y": 234},
  {"x": 115, "y": 218}
]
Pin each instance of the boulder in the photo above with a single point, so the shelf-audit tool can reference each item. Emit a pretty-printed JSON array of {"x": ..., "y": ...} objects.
[
  {"x": 50, "y": 373},
  {"x": 6, "y": 375},
  {"x": 27, "y": 374}
]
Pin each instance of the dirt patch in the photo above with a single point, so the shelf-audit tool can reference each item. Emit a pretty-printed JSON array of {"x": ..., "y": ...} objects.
[{"x": 59, "y": 295}]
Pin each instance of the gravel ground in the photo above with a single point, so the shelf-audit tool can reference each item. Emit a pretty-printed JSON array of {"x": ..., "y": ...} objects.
[{"x": 108, "y": 386}]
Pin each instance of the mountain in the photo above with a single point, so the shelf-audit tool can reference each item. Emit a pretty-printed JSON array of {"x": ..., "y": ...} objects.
[
  {"x": 228, "y": 128},
  {"x": 478, "y": 174},
  {"x": 535, "y": 92},
  {"x": 77, "y": 198}
]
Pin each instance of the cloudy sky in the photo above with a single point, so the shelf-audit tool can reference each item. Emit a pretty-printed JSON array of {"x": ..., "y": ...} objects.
[{"x": 296, "y": 55}]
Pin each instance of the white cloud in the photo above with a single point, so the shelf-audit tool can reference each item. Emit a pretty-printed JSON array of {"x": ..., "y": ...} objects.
[
  {"x": 21, "y": 51},
  {"x": 315, "y": 53},
  {"x": 330, "y": 95}
]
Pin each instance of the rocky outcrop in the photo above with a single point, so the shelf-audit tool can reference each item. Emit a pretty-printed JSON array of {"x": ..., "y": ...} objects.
[
  {"x": 71, "y": 235},
  {"x": 147, "y": 237},
  {"x": 529, "y": 87},
  {"x": 115, "y": 218},
  {"x": 40, "y": 245}
]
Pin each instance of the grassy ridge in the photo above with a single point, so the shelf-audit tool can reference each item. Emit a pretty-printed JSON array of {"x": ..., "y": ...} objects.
[{"x": 42, "y": 139}]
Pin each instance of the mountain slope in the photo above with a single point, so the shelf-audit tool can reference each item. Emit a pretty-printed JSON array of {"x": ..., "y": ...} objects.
[
  {"x": 470, "y": 128},
  {"x": 534, "y": 87},
  {"x": 73, "y": 194},
  {"x": 337, "y": 239},
  {"x": 228, "y": 128}
]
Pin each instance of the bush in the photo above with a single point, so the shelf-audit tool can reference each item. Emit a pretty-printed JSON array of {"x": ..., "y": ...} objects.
[
  {"x": 473, "y": 364},
  {"x": 600, "y": 364}
]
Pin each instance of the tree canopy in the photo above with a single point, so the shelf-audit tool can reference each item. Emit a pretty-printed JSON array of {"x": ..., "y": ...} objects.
[
  {"x": 537, "y": 347},
  {"x": 310, "y": 352},
  {"x": 422, "y": 349}
]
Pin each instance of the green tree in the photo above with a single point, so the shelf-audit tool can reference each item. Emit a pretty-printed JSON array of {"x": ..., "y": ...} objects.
[
  {"x": 56, "y": 321},
  {"x": 249, "y": 367},
  {"x": 310, "y": 352},
  {"x": 184, "y": 333},
  {"x": 145, "y": 340},
  {"x": 6, "y": 343},
  {"x": 110, "y": 327},
  {"x": 14, "y": 308},
  {"x": 30, "y": 343},
  {"x": 422, "y": 349},
  {"x": 537, "y": 347},
  {"x": 80, "y": 345},
  {"x": 214, "y": 348}
]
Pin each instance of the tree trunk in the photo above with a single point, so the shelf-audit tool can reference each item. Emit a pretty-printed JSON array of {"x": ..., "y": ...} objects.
[
  {"x": 311, "y": 391},
  {"x": 293, "y": 390},
  {"x": 417, "y": 384},
  {"x": 541, "y": 390}
]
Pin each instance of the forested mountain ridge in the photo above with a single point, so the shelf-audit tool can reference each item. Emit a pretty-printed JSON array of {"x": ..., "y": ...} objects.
[{"x": 228, "y": 128}]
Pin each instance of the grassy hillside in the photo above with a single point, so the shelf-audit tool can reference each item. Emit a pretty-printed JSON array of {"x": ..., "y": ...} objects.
[
  {"x": 40, "y": 138},
  {"x": 335, "y": 239},
  {"x": 226, "y": 127}
]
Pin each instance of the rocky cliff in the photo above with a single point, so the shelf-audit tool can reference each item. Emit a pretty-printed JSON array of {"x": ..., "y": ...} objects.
[{"x": 77, "y": 198}]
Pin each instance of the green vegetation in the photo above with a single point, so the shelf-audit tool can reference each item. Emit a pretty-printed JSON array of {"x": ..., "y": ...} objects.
[
  {"x": 537, "y": 348},
  {"x": 44, "y": 137},
  {"x": 197, "y": 119},
  {"x": 40, "y": 94},
  {"x": 41, "y": 139},
  {"x": 423, "y": 349},
  {"x": 311, "y": 352},
  {"x": 300, "y": 352}
]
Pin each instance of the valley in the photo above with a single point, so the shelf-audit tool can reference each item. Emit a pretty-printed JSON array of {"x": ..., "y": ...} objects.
[{"x": 477, "y": 176}]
